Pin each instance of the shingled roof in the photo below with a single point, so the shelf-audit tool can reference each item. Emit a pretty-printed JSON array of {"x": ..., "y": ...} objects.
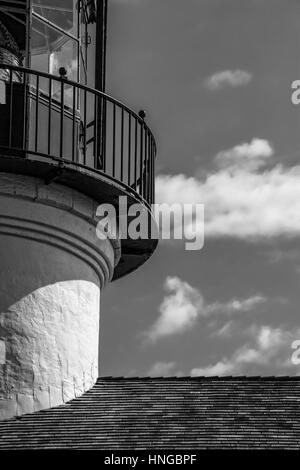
[{"x": 167, "y": 413}]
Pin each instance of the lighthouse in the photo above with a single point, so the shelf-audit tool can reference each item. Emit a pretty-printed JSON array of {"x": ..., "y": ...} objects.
[{"x": 66, "y": 148}]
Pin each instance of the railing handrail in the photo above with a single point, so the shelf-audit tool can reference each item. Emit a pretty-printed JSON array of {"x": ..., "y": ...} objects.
[
  {"x": 51, "y": 116},
  {"x": 86, "y": 88}
]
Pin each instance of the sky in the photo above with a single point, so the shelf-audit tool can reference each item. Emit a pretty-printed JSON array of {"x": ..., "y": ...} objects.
[{"x": 214, "y": 77}]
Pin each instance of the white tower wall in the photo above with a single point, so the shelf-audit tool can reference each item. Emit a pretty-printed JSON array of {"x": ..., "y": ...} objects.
[{"x": 52, "y": 269}]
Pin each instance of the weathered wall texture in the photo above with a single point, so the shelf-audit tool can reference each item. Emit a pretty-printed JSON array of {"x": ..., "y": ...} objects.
[{"x": 52, "y": 269}]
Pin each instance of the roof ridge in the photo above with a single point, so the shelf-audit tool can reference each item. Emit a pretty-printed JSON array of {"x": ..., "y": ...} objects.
[{"x": 205, "y": 378}]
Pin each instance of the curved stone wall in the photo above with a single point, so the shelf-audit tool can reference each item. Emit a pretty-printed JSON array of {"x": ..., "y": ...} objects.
[{"x": 52, "y": 269}]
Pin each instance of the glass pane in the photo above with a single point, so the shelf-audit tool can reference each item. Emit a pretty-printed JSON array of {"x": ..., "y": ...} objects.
[
  {"x": 44, "y": 38},
  {"x": 62, "y": 13},
  {"x": 50, "y": 50}
]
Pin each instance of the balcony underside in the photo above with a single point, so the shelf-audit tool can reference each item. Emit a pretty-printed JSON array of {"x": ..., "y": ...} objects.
[{"x": 94, "y": 183}]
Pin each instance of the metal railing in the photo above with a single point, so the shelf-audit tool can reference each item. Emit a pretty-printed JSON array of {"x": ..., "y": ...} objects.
[{"x": 52, "y": 117}]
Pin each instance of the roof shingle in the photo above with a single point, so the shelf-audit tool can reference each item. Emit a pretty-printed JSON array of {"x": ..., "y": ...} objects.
[{"x": 167, "y": 413}]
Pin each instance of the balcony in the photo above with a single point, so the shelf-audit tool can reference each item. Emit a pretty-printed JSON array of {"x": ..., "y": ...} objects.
[{"x": 67, "y": 133}]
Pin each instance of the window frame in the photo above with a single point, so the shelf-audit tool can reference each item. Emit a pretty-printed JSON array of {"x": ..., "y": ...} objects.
[{"x": 82, "y": 22}]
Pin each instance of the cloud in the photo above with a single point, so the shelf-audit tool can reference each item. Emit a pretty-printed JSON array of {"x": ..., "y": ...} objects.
[
  {"x": 269, "y": 347},
  {"x": 161, "y": 369},
  {"x": 183, "y": 305},
  {"x": 178, "y": 311},
  {"x": 247, "y": 156},
  {"x": 234, "y": 305},
  {"x": 228, "y": 78},
  {"x": 242, "y": 199},
  {"x": 225, "y": 330}
]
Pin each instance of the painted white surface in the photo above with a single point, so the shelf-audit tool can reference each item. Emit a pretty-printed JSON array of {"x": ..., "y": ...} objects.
[
  {"x": 52, "y": 269},
  {"x": 2, "y": 352}
]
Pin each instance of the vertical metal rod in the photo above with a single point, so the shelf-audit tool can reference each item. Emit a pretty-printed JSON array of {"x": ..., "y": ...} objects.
[
  {"x": 28, "y": 33},
  {"x": 95, "y": 130},
  {"x": 103, "y": 140},
  {"x": 146, "y": 165},
  {"x": 135, "y": 152},
  {"x": 37, "y": 96},
  {"x": 122, "y": 143},
  {"x": 62, "y": 99},
  {"x": 84, "y": 127},
  {"x": 27, "y": 113},
  {"x": 149, "y": 169},
  {"x": 73, "y": 123},
  {"x": 114, "y": 142},
  {"x": 129, "y": 151},
  {"x": 10, "y": 108},
  {"x": 49, "y": 116},
  {"x": 141, "y": 160},
  {"x": 24, "y": 110},
  {"x": 153, "y": 171}
]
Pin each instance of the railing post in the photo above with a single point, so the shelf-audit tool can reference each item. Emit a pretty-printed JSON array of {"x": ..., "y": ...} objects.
[
  {"x": 142, "y": 115},
  {"x": 63, "y": 74}
]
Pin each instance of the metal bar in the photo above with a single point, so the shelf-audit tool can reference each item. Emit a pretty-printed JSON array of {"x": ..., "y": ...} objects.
[
  {"x": 53, "y": 25},
  {"x": 14, "y": 2},
  {"x": 49, "y": 116},
  {"x": 55, "y": 8},
  {"x": 122, "y": 143},
  {"x": 149, "y": 170},
  {"x": 103, "y": 137},
  {"x": 101, "y": 28},
  {"x": 84, "y": 127},
  {"x": 114, "y": 142},
  {"x": 61, "y": 141},
  {"x": 79, "y": 86},
  {"x": 14, "y": 10},
  {"x": 73, "y": 124},
  {"x": 94, "y": 124},
  {"x": 91, "y": 123},
  {"x": 10, "y": 108},
  {"x": 15, "y": 18},
  {"x": 37, "y": 112},
  {"x": 145, "y": 165},
  {"x": 28, "y": 39},
  {"x": 129, "y": 151},
  {"x": 90, "y": 140},
  {"x": 153, "y": 170},
  {"x": 131, "y": 142},
  {"x": 135, "y": 152},
  {"x": 141, "y": 160},
  {"x": 24, "y": 110},
  {"x": 101, "y": 39}
]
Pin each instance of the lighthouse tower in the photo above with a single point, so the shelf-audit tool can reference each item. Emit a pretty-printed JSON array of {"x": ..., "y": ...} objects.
[{"x": 66, "y": 147}]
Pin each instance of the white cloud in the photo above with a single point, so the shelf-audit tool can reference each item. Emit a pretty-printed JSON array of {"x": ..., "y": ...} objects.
[
  {"x": 178, "y": 311},
  {"x": 241, "y": 198},
  {"x": 184, "y": 304},
  {"x": 269, "y": 347},
  {"x": 161, "y": 369},
  {"x": 225, "y": 330},
  {"x": 247, "y": 156},
  {"x": 235, "y": 305},
  {"x": 221, "y": 368},
  {"x": 225, "y": 78}
]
